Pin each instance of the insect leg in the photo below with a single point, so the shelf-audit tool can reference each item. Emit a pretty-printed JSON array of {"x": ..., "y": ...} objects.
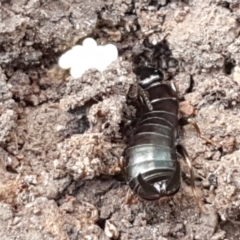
[
  {"x": 185, "y": 121},
  {"x": 173, "y": 86},
  {"x": 145, "y": 97},
  {"x": 129, "y": 197},
  {"x": 183, "y": 152}
]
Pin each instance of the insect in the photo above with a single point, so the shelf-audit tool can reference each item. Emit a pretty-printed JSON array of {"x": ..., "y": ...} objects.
[{"x": 152, "y": 166}]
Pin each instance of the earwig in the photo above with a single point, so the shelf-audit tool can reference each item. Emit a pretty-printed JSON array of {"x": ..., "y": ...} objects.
[{"x": 152, "y": 166}]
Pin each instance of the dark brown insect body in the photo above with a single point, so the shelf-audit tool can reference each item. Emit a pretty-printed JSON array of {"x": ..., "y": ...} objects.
[{"x": 152, "y": 169}]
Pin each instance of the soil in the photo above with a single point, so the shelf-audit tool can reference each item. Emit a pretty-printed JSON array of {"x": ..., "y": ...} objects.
[{"x": 62, "y": 139}]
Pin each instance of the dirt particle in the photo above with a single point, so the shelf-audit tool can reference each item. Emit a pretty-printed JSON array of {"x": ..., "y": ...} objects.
[{"x": 186, "y": 108}]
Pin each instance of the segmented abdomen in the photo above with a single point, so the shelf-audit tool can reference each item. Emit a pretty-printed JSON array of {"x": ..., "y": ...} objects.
[{"x": 152, "y": 168}]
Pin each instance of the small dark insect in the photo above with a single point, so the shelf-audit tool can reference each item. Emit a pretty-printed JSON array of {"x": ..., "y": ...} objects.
[
  {"x": 213, "y": 180},
  {"x": 152, "y": 167}
]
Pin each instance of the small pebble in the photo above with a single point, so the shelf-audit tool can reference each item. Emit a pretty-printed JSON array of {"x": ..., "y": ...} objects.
[{"x": 186, "y": 108}]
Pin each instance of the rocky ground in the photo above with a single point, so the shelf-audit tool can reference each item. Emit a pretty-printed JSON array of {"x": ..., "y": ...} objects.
[{"x": 61, "y": 138}]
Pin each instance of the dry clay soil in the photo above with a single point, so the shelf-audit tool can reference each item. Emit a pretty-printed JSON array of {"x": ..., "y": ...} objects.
[{"x": 60, "y": 138}]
